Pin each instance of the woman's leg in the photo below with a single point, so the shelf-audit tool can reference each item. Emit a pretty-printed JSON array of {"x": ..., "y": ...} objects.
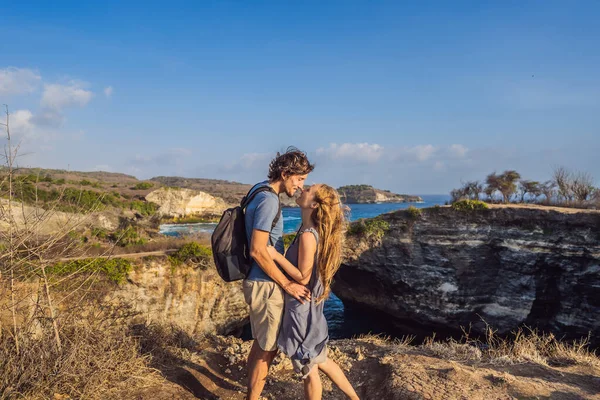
[
  {"x": 335, "y": 373},
  {"x": 313, "y": 389}
]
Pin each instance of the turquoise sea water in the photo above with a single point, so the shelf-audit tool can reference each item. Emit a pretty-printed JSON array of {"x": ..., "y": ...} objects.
[
  {"x": 343, "y": 321},
  {"x": 291, "y": 216}
]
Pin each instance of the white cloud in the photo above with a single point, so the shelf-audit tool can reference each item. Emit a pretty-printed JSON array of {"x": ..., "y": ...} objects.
[
  {"x": 58, "y": 96},
  {"x": 33, "y": 128},
  {"x": 18, "y": 80},
  {"x": 419, "y": 153},
  {"x": 363, "y": 152},
  {"x": 458, "y": 150},
  {"x": 108, "y": 91},
  {"x": 21, "y": 123},
  {"x": 423, "y": 152}
]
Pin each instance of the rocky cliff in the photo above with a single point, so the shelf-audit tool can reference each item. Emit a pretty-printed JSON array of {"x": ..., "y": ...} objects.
[
  {"x": 358, "y": 194},
  {"x": 507, "y": 266},
  {"x": 183, "y": 202},
  {"x": 195, "y": 300}
]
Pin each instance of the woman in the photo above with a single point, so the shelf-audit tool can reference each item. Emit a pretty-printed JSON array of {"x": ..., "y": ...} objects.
[{"x": 312, "y": 259}]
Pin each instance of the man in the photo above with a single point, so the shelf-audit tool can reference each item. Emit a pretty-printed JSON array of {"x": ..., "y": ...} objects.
[{"x": 265, "y": 283}]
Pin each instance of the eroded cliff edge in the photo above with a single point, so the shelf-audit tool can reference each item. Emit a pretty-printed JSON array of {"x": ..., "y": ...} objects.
[{"x": 507, "y": 266}]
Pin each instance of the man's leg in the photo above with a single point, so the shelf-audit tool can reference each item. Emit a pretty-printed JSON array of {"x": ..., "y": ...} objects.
[{"x": 258, "y": 368}]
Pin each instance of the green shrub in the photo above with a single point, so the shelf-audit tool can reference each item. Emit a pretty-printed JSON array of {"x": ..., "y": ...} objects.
[
  {"x": 145, "y": 208},
  {"x": 193, "y": 253},
  {"x": 85, "y": 182},
  {"x": 127, "y": 237},
  {"x": 469, "y": 205},
  {"x": 115, "y": 269},
  {"x": 375, "y": 227},
  {"x": 414, "y": 212},
  {"x": 288, "y": 239},
  {"x": 60, "y": 181},
  {"x": 143, "y": 186},
  {"x": 99, "y": 233},
  {"x": 193, "y": 219}
]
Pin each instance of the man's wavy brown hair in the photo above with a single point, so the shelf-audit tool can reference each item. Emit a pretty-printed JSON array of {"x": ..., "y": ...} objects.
[{"x": 292, "y": 162}]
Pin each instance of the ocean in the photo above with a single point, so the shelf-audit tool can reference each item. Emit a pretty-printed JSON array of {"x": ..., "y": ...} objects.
[
  {"x": 291, "y": 216},
  {"x": 343, "y": 322}
]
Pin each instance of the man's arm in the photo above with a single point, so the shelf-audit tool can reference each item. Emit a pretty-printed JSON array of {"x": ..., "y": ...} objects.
[{"x": 260, "y": 254}]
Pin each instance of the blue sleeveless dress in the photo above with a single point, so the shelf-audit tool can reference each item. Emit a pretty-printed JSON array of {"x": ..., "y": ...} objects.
[{"x": 304, "y": 335}]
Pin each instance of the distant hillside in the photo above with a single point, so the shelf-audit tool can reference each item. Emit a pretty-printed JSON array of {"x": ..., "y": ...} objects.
[
  {"x": 108, "y": 177},
  {"x": 231, "y": 192},
  {"x": 359, "y": 194},
  {"x": 75, "y": 191},
  {"x": 122, "y": 188}
]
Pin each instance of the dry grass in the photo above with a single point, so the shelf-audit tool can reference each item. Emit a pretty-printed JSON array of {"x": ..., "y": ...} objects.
[
  {"x": 382, "y": 340},
  {"x": 522, "y": 346},
  {"x": 99, "y": 360}
]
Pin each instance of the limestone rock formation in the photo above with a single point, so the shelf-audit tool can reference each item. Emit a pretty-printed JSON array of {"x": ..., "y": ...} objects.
[
  {"x": 508, "y": 266},
  {"x": 359, "y": 194},
  {"x": 195, "y": 300},
  {"x": 183, "y": 202}
]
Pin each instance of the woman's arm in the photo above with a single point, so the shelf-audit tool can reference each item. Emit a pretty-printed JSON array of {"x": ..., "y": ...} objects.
[{"x": 306, "y": 258}]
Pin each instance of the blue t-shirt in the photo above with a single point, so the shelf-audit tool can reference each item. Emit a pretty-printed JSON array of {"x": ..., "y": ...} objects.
[{"x": 260, "y": 214}]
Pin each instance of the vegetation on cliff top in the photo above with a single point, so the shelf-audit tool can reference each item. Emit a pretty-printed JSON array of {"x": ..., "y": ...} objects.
[
  {"x": 192, "y": 253},
  {"x": 370, "y": 228},
  {"x": 566, "y": 189},
  {"x": 59, "y": 195},
  {"x": 115, "y": 269},
  {"x": 469, "y": 205}
]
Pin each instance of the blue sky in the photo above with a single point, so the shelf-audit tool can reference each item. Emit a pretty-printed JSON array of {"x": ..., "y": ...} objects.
[{"x": 414, "y": 98}]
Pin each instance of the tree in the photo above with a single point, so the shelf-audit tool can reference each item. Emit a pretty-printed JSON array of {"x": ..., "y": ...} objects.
[
  {"x": 529, "y": 187},
  {"x": 493, "y": 185},
  {"x": 456, "y": 195},
  {"x": 30, "y": 248},
  {"x": 504, "y": 183},
  {"x": 582, "y": 186},
  {"x": 473, "y": 189},
  {"x": 563, "y": 181},
  {"x": 469, "y": 190},
  {"x": 548, "y": 190}
]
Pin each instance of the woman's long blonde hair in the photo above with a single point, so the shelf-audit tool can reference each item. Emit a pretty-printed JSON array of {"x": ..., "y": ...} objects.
[{"x": 330, "y": 222}]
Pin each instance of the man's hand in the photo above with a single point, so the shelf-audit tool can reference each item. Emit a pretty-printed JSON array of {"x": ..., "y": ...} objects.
[{"x": 297, "y": 291}]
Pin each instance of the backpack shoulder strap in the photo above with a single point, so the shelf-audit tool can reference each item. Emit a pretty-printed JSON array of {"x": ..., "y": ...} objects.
[{"x": 250, "y": 196}]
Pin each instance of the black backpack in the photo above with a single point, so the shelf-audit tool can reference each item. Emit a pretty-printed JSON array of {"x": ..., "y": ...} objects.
[{"x": 229, "y": 243}]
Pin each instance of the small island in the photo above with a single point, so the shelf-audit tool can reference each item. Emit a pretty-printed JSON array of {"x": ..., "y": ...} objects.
[{"x": 367, "y": 194}]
